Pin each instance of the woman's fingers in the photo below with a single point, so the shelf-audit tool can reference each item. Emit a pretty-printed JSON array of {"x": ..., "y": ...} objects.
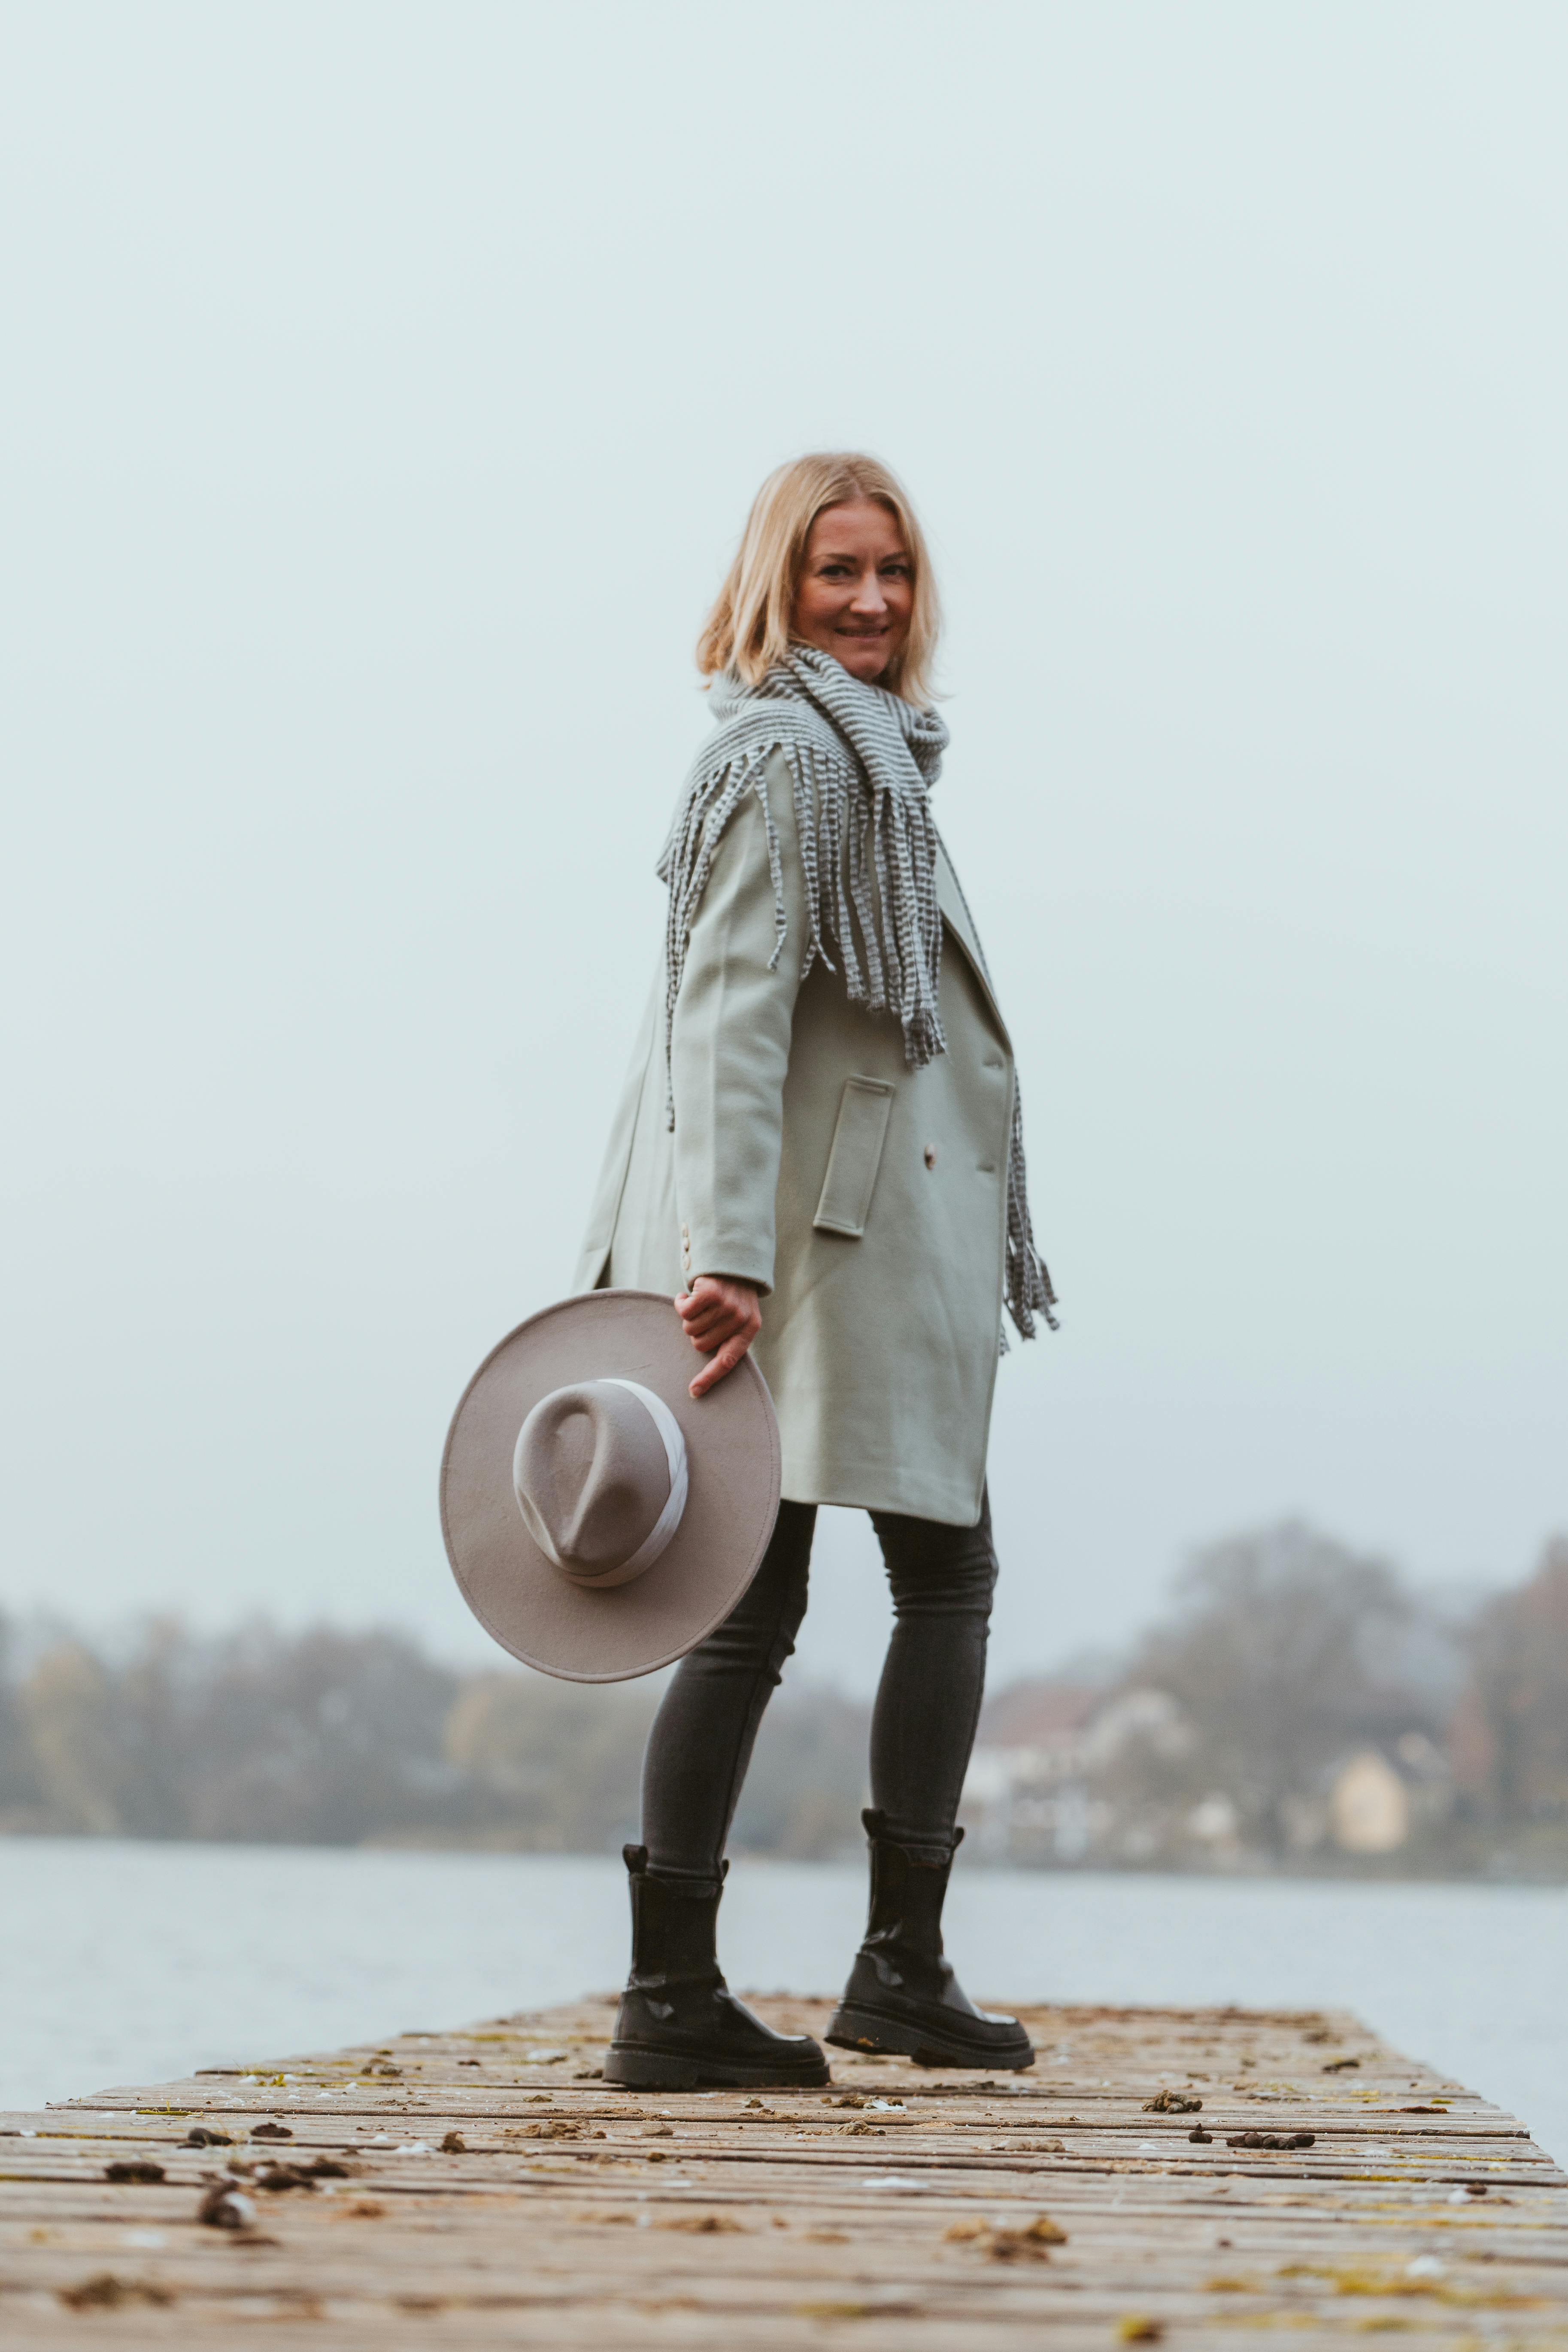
[
  {"x": 706, "y": 1313},
  {"x": 715, "y": 1335},
  {"x": 709, "y": 1313},
  {"x": 723, "y": 1363},
  {"x": 712, "y": 1313},
  {"x": 721, "y": 1318}
]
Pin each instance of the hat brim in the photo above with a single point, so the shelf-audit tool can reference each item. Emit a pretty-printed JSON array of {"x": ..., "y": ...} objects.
[{"x": 519, "y": 1595}]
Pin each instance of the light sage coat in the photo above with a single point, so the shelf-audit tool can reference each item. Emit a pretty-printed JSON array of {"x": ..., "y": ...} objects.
[{"x": 865, "y": 1199}]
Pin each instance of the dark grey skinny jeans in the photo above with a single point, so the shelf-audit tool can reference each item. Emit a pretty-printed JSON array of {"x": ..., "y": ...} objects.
[{"x": 928, "y": 1702}]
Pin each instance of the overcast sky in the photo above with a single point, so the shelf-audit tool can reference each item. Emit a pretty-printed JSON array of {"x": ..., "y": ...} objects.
[{"x": 386, "y": 387}]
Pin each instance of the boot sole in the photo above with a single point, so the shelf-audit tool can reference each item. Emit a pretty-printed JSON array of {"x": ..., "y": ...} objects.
[
  {"x": 637, "y": 2068},
  {"x": 859, "y": 2028}
]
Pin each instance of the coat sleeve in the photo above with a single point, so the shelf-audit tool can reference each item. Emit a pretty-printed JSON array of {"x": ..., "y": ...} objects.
[{"x": 730, "y": 1045}]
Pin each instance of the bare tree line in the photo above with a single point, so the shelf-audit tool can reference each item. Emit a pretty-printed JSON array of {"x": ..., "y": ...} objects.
[
  {"x": 333, "y": 1737},
  {"x": 1281, "y": 1655}
]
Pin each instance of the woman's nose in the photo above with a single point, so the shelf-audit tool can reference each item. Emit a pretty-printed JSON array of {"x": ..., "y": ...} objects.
[{"x": 869, "y": 596}]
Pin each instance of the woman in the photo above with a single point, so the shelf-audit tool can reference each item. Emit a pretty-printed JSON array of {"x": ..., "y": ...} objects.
[{"x": 819, "y": 1149}]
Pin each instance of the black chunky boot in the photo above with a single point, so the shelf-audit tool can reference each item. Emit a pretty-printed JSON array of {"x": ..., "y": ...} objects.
[
  {"x": 902, "y": 1996},
  {"x": 680, "y": 2024}
]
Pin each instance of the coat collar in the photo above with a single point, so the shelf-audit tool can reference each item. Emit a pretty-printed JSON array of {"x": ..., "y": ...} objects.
[{"x": 956, "y": 921}]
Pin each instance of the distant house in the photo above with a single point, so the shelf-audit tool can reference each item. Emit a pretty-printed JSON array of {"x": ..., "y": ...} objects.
[
  {"x": 1042, "y": 1718},
  {"x": 1378, "y": 1798},
  {"x": 1025, "y": 1794},
  {"x": 1030, "y": 1787},
  {"x": 1050, "y": 1784},
  {"x": 1369, "y": 1806}
]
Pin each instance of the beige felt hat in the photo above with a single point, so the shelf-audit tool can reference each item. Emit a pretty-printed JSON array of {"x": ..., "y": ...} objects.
[{"x": 599, "y": 1518}]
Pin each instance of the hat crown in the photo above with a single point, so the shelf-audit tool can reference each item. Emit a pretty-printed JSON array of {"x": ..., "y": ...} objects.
[{"x": 600, "y": 1475}]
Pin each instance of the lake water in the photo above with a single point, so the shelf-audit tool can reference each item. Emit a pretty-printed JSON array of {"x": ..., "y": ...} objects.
[{"x": 124, "y": 1963}]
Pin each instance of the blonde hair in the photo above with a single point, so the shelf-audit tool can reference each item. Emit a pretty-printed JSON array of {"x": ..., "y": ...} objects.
[{"x": 748, "y": 629}]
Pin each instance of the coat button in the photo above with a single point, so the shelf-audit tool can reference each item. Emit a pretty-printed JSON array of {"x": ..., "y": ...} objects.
[{"x": 930, "y": 1155}]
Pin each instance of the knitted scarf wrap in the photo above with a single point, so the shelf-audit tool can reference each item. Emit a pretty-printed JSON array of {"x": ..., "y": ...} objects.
[{"x": 861, "y": 762}]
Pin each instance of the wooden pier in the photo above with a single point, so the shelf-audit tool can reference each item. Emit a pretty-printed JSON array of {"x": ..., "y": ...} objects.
[{"x": 486, "y": 2188}]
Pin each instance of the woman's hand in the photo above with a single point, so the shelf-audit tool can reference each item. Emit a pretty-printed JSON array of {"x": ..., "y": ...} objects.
[{"x": 721, "y": 1319}]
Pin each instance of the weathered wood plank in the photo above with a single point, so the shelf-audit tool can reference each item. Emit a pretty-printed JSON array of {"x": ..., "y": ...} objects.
[{"x": 904, "y": 2205}]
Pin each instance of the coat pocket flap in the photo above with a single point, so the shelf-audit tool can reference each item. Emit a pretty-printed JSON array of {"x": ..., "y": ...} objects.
[{"x": 855, "y": 1156}]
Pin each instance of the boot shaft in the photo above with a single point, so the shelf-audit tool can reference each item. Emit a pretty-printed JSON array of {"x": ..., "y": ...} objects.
[
  {"x": 908, "y": 1887},
  {"x": 675, "y": 1923}
]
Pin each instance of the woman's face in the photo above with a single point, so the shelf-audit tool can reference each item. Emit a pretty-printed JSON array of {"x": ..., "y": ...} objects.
[{"x": 856, "y": 591}]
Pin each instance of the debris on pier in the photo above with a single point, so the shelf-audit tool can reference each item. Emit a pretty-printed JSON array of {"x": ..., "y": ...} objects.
[{"x": 488, "y": 2186}]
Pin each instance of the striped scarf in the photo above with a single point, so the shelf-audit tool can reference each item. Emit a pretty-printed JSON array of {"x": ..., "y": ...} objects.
[{"x": 861, "y": 761}]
